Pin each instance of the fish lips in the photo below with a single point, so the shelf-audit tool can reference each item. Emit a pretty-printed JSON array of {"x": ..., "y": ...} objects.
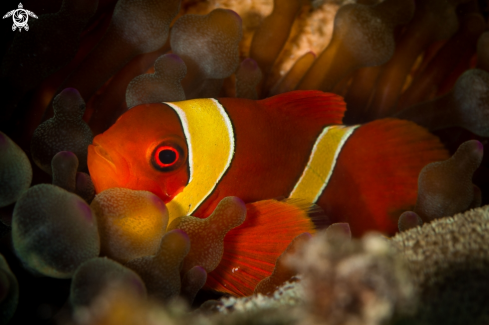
[{"x": 107, "y": 168}]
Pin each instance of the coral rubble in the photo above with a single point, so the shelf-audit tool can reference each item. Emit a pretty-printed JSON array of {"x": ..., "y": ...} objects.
[{"x": 449, "y": 263}]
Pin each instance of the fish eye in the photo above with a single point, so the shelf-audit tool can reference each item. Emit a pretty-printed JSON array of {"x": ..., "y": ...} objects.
[{"x": 167, "y": 157}]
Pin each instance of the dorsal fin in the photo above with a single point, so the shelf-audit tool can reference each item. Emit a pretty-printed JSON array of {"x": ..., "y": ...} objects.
[{"x": 327, "y": 107}]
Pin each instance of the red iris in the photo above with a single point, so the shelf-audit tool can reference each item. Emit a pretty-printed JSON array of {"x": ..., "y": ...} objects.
[{"x": 166, "y": 156}]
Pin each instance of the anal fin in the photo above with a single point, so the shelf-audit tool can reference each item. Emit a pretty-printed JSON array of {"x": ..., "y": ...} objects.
[{"x": 251, "y": 250}]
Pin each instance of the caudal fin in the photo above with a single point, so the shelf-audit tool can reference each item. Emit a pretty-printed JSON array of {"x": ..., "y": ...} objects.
[{"x": 251, "y": 250}]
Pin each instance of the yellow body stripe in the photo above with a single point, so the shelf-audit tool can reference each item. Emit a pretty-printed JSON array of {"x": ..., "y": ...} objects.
[
  {"x": 321, "y": 162},
  {"x": 210, "y": 141}
]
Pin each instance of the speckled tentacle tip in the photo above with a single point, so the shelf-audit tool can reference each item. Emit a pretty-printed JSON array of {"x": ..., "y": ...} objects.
[
  {"x": 433, "y": 20},
  {"x": 84, "y": 187},
  {"x": 248, "y": 78},
  {"x": 15, "y": 171},
  {"x": 465, "y": 106},
  {"x": 29, "y": 60},
  {"x": 109, "y": 103},
  {"x": 164, "y": 85},
  {"x": 53, "y": 231},
  {"x": 95, "y": 275},
  {"x": 64, "y": 170},
  {"x": 338, "y": 233},
  {"x": 136, "y": 27},
  {"x": 209, "y": 46},
  {"x": 408, "y": 220},
  {"x": 131, "y": 223},
  {"x": 282, "y": 271},
  {"x": 445, "y": 188},
  {"x": 192, "y": 282},
  {"x": 64, "y": 166},
  {"x": 362, "y": 37},
  {"x": 9, "y": 292},
  {"x": 161, "y": 272},
  {"x": 65, "y": 131},
  {"x": 207, "y": 235}
]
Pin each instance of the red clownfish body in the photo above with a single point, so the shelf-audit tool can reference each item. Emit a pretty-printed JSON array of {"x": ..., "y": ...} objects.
[{"x": 196, "y": 152}]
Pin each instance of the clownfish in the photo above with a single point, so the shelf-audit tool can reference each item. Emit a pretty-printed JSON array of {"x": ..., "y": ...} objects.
[{"x": 194, "y": 153}]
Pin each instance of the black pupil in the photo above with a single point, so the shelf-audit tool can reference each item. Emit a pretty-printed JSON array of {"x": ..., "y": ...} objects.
[{"x": 167, "y": 156}]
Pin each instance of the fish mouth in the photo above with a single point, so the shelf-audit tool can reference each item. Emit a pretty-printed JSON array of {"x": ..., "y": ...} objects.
[
  {"x": 107, "y": 167},
  {"x": 97, "y": 148}
]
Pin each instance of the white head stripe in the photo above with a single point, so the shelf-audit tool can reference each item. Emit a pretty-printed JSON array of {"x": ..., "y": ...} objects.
[
  {"x": 211, "y": 144},
  {"x": 186, "y": 132}
]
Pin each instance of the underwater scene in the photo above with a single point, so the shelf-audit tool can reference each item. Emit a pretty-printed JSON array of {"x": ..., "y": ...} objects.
[{"x": 231, "y": 162}]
